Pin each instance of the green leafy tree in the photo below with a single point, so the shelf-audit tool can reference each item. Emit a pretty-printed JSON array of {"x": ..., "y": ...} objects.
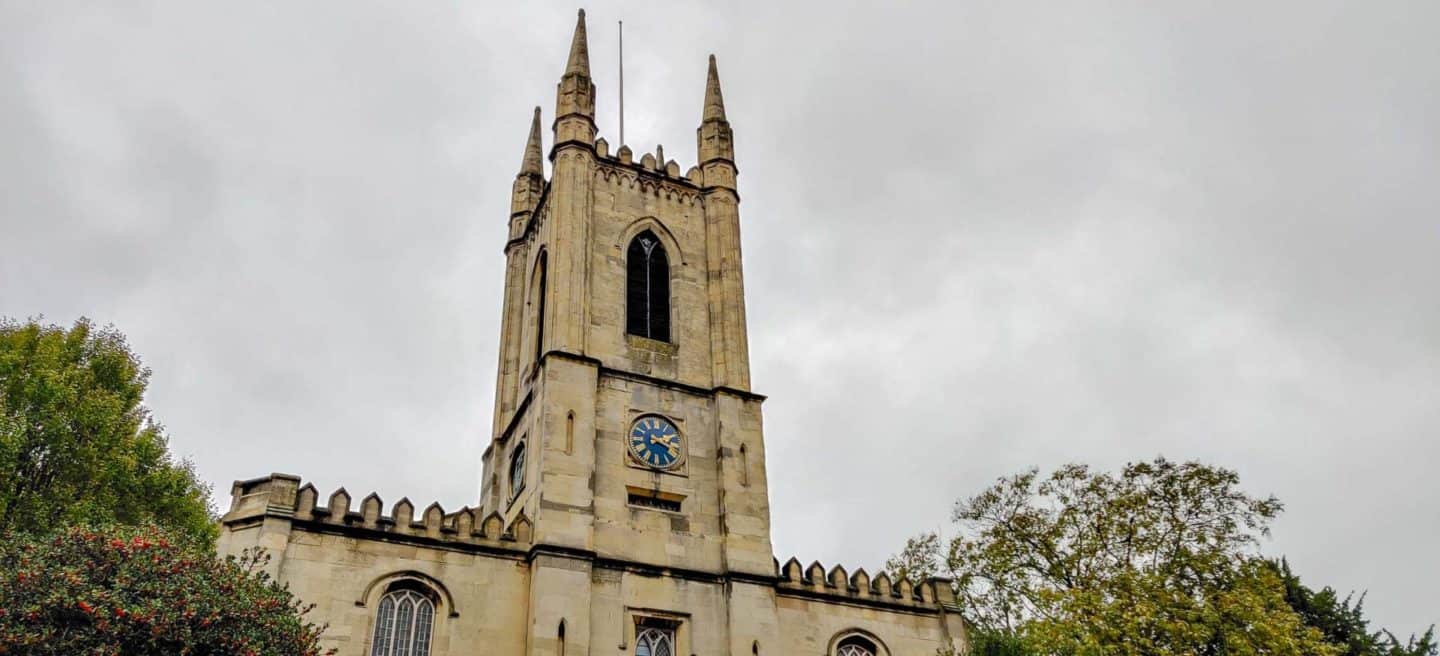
[
  {"x": 142, "y": 591},
  {"x": 918, "y": 561},
  {"x": 77, "y": 443},
  {"x": 1158, "y": 559},
  {"x": 989, "y": 642},
  {"x": 1343, "y": 622}
]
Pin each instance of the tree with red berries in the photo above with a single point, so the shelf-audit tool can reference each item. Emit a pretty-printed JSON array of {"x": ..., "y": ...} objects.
[{"x": 142, "y": 592}]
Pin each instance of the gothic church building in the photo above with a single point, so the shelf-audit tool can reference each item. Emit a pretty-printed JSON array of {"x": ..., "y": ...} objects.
[{"x": 623, "y": 509}]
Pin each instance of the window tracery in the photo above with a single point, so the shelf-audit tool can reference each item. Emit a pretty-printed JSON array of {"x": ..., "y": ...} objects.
[
  {"x": 402, "y": 624},
  {"x": 647, "y": 288},
  {"x": 655, "y": 641},
  {"x": 855, "y": 646}
]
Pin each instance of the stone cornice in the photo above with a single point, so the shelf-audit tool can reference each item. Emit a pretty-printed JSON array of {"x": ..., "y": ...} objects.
[
  {"x": 861, "y": 602},
  {"x": 679, "y": 386},
  {"x": 619, "y": 373},
  {"x": 501, "y": 550}
]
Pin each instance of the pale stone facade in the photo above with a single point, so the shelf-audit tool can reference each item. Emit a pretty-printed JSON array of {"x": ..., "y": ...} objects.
[{"x": 578, "y": 546}]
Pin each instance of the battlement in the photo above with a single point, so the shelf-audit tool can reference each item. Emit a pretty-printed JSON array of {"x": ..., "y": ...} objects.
[
  {"x": 815, "y": 580},
  {"x": 654, "y": 163},
  {"x": 282, "y": 496}
]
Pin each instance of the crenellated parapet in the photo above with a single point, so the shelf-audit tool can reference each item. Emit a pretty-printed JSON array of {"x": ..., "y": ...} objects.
[
  {"x": 814, "y": 580},
  {"x": 282, "y": 496},
  {"x": 652, "y": 172}
]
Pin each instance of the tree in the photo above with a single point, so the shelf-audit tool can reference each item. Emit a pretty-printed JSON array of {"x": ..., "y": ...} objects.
[
  {"x": 142, "y": 592},
  {"x": 77, "y": 443},
  {"x": 1155, "y": 560},
  {"x": 1343, "y": 622},
  {"x": 918, "y": 561}
]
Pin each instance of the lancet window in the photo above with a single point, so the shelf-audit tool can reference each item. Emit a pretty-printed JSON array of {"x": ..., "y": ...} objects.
[
  {"x": 539, "y": 302},
  {"x": 647, "y": 288},
  {"x": 517, "y": 471}
]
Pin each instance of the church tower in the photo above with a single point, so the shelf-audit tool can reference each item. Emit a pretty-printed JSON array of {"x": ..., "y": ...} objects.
[
  {"x": 624, "y": 507},
  {"x": 625, "y": 430}
]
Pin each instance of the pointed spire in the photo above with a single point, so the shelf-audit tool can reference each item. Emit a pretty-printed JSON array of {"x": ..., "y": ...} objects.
[
  {"x": 579, "y": 62},
  {"x": 529, "y": 183},
  {"x": 714, "y": 135},
  {"x": 532, "y": 165},
  {"x": 575, "y": 95},
  {"x": 714, "y": 101}
]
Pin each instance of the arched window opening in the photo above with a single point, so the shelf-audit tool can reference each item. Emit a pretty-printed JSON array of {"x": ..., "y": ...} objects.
[
  {"x": 647, "y": 288},
  {"x": 755, "y": 648},
  {"x": 560, "y": 639},
  {"x": 540, "y": 307},
  {"x": 569, "y": 432},
  {"x": 855, "y": 646},
  {"x": 744, "y": 466},
  {"x": 655, "y": 641},
  {"x": 517, "y": 471},
  {"x": 403, "y": 623}
]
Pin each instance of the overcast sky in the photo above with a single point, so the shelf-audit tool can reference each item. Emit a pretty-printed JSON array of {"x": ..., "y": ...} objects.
[{"x": 978, "y": 236}]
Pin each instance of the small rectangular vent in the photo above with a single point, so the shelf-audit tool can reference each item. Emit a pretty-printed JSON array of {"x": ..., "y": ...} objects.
[{"x": 644, "y": 500}]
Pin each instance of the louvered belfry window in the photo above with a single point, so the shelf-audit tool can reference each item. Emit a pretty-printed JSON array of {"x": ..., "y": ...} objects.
[{"x": 647, "y": 288}]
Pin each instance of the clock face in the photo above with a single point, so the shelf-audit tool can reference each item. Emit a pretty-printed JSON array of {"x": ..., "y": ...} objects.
[{"x": 654, "y": 441}]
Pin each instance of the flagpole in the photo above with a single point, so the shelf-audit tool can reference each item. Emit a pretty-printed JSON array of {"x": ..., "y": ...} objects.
[{"x": 622, "y": 83}]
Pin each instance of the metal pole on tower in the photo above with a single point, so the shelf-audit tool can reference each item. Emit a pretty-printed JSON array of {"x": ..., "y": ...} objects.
[{"x": 622, "y": 83}]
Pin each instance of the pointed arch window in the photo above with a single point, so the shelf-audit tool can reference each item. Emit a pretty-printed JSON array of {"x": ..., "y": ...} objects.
[
  {"x": 855, "y": 646},
  {"x": 647, "y": 288},
  {"x": 517, "y": 471},
  {"x": 655, "y": 641},
  {"x": 402, "y": 624}
]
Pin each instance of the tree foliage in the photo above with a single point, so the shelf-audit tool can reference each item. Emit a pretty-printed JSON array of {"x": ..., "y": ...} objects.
[
  {"x": 1158, "y": 559},
  {"x": 918, "y": 560},
  {"x": 1343, "y": 622},
  {"x": 142, "y": 592},
  {"x": 76, "y": 442}
]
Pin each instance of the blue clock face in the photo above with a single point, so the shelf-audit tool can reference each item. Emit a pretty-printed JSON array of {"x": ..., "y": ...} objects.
[{"x": 655, "y": 442}]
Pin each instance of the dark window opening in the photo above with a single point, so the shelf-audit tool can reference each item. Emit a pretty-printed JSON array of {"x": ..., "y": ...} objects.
[
  {"x": 647, "y": 288},
  {"x": 540, "y": 309},
  {"x": 517, "y": 471}
]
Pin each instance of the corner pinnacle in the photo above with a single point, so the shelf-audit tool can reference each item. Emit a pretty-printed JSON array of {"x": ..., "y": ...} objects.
[
  {"x": 714, "y": 101},
  {"x": 579, "y": 62},
  {"x": 532, "y": 165}
]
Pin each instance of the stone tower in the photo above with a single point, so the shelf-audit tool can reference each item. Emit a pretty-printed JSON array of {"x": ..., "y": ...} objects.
[
  {"x": 575, "y": 378},
  {"x": 624, "y": 505}
]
